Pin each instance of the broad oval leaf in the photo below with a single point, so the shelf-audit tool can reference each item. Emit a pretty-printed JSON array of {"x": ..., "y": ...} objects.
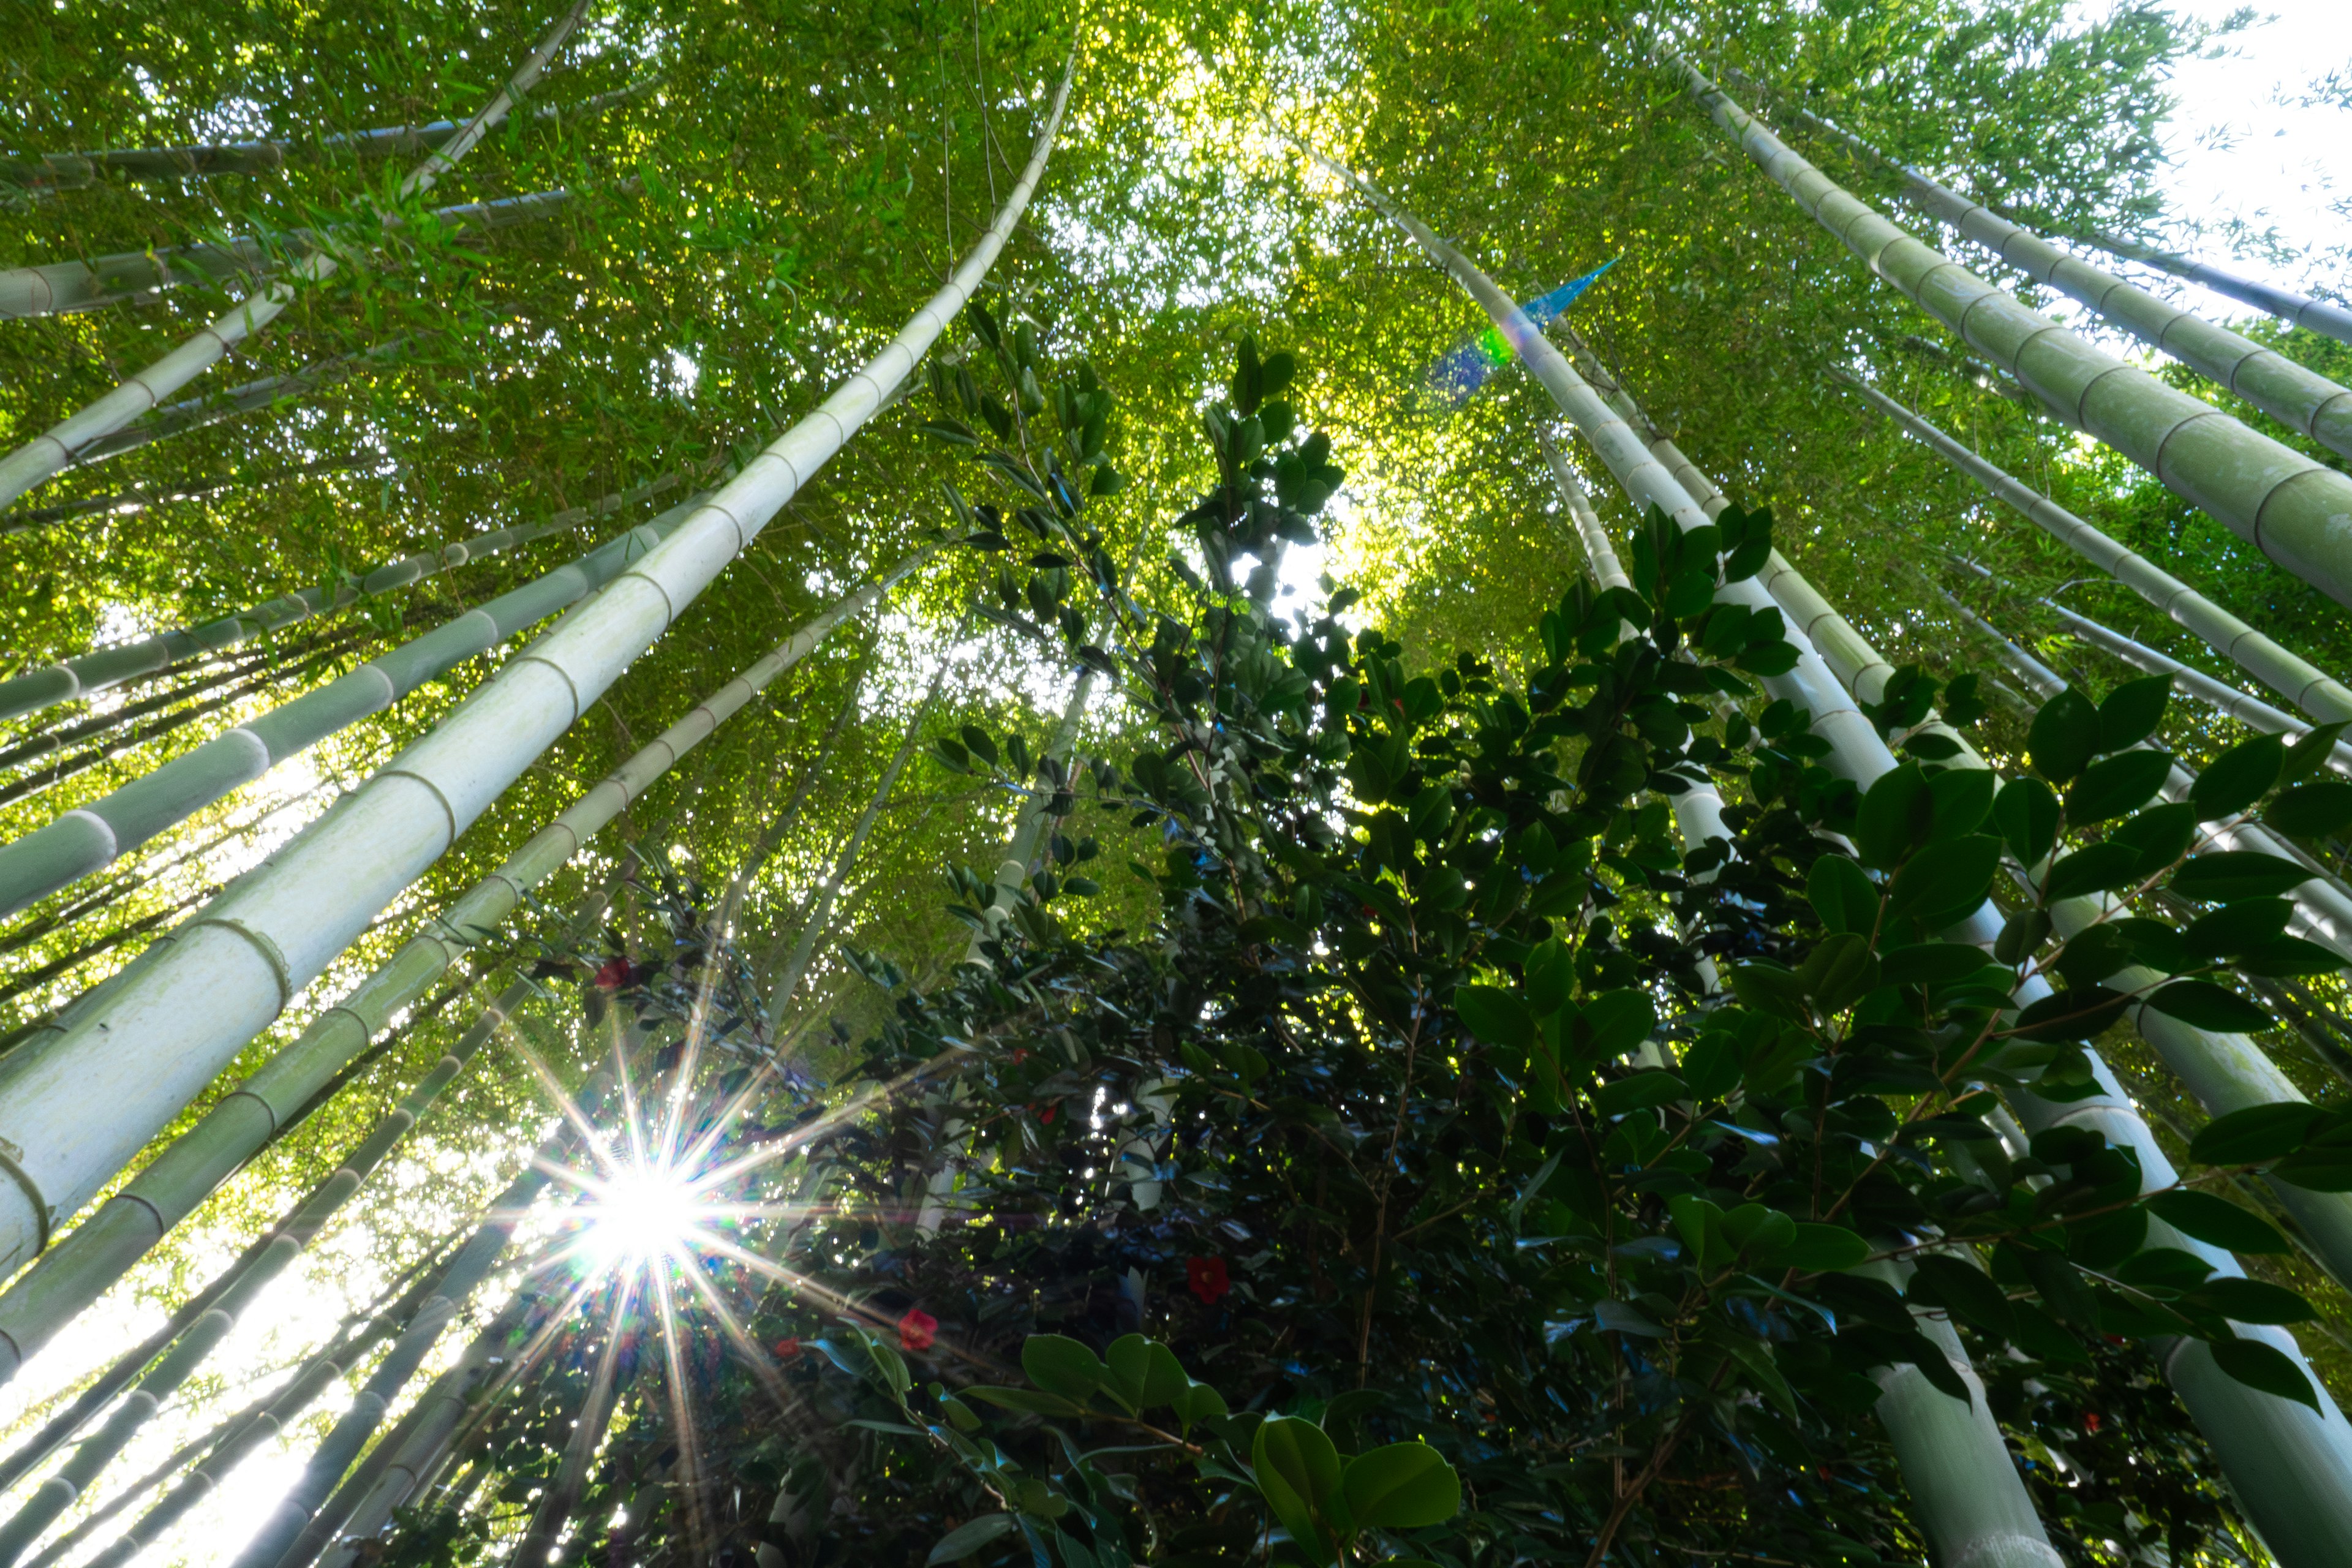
[
  {"x": 969, "y": 1536},
  {"x": 1298, "y": 1471},
  {"x": 1843, "y": 894},
  {"x": 2217, "y": 1221},
  {"x": 2228, "y": 874},
  {"x": 2208, "y": 1006},
  {"x": 2093, "y": 870},
  {"x": 2238, "y": 777},
  {"x": 1060, "y": 1365},
  {"x": 1495, "y": 1016},
  {"x": 2131, "y": 711},
  {"x": 1820, "y": 1249},
  {"x": 2313, "y": 810},
  {"x": 1945, "y": 881},
  {"x": 2117, "y": 785},
  {"x": 2257, "y": 1133},
  {"x": 2063, "y": 736},
  {"x": 2262, "y": 1367},
  {"x": 2026, "y": 812},
  {"x": 1405, "y": 1486},
  {"x": 2254, "y": 1301}
]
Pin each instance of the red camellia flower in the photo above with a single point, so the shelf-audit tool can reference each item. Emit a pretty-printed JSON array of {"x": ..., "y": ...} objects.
[
  {"x": 1207, "y": 1278},
  {"x": 1045, "y": 1117},
  {"x": 612, "y": 976},
  {"x": 788, "y": 1350},
  {"x": 2090, "y": 1421},
  {"x": 918, "y": 1329}
]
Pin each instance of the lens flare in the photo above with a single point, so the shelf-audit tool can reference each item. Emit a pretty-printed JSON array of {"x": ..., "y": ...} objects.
[
  {"x": 642, "y": 1213},
  {"x": 1465, "y": 369}
]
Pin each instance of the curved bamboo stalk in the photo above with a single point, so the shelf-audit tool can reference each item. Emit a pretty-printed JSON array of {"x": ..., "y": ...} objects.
[
  {"x": 191, "y": 1007},
  {"x": 101, "y": 668},
  {"x": 75, "y": 171},
  {"x": 2294, "y": 511},
  {"x": 820, "y": 904},
  {"x": 2300, "y": 683},
  {"x": 60, "y": 288},
  {"x": 198, "y": 413},
  {"x": 129, "y": 502},
  {"x": 91, "y": 1257},
  {"x": 47, "y": 453},
  {"x": 457, "y": 1282},
  {"x": 2299, "y": 309},
  {"x": 1029, "y": 824},
  {"x": 588, "y": 1427},
  {"x": 91, "y": 836},
  {"x": 2225, "y": 699},
  {"x": 2291, "y": 1469},
  {"x": 1971, "y": 1504},
  {"x": 2304, "y": 401}
]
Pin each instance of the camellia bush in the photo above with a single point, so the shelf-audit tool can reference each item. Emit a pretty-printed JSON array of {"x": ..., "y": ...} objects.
[{"x": 1369, "y": 1133}]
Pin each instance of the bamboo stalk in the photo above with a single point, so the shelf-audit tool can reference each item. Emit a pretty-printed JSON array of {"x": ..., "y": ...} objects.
[
  {"x": 2292, "y": 1467},
  {"x": 47, "y": 453},
  {"x": 2296, "y": 679},
  {"x": 103, "y": 668},
  {"x": 2298, "y": 310},
  {"x": 198, "y": 413},
  {"x": 60, "y": 288},
  {"x": 1029, "y": 824},
  {"x": 2287, "y": 506},
  {"x": 129, "y": 502},
  {"x": 457, "y": 1282},
  {"x": 571, "y": 1479},
  {"x": 75, "y": 171},
  {"x": 820, "y": 905},
  {"x": 2304, "y": 401},
  {"x": 96, "y": 834},
  {"x": 96, "y": 1254}
]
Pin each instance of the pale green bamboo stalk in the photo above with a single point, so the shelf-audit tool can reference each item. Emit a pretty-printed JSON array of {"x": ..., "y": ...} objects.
[
  {"x": 116, "y": 1067},
  {"x": 75, "y": 171},
  {"x": 92, "y": 672},
  {"x": 2292, "y": 1467},
  {"x": 2304, "y": 401},
  {"x": 2294, "y": 511},
  {"x": 2223, "y": 698},
  {"x": 2296, "y": 679},
  {"x": 2299, "y": 309},
  {"x": 198, "y": 413},
  {"x": 47, "y": 453},
  {"x": 98, "y": 1252},
  {"x": 129, "y": 502},
  {"x": 99, "y": 1518},
  {"x": 1029, "y": 824},
  {"x": 571, "y": 1479},
  {"x": 457, "y": 1281},
  {"x": 383, "y": 1481},
  {"x": 1645, "y": 481},
  {"x": 1969, "y": 1500},
  {"x": 57, "y": 288},
  {"x": 821, "y": 901},
  {"x": 92, "y": 836}
]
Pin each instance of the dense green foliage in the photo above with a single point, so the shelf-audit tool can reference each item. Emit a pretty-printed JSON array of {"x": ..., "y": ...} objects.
[{"x": 1319, "y": 1046}]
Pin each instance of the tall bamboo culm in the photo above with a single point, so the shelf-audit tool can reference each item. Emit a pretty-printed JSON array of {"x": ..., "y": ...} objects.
[
  {"x": 62, "y": 443},
  {"x": 1970, "y": 1503},
  {"x": 2291, "y": 1468},
  {"x": 91, "y": 673},
  {"x": 2296, "y": 679},
  {"x": 2304, "y": 401},
  {"x": 78, "y": 1103},
  {"x": 97, "y": 1253},
  {"x": 2293, "y": 510}
]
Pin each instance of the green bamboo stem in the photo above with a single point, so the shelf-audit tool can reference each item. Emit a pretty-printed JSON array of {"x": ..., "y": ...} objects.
[
  {"x": 1647, "y": 481},
  {"x": 781, "y": 826},
  {"x": 588, "y": 1427},
  {"x": 1029, "y": 824},
  {"x": 2294, "y": 511},
  {"x": 45, "y": 742},
  {"x": 77, "y": 170},
  {"x": 130, "y": 502},
  {"x": 100, "y": 1517},
  {"x": 134, "y": 736},
  {"x": 2306, "y": 403},
  {"x": 2292, "y": 1468},
  {"x": 2299, "y": 309},
  {"x": 457, "y": 1282},
  {"x": 2296, "y": 679},
  {"x": 52, "y": 450},
  {"x": 382, "y": 1480},
  {"x": 58, "y": 288},
  {"x": 144, "y": 1044},
  {"x": 1969, "y": 1500},
  {"x": 2228, "y": 701},
  {"x": 821, "y": 901},
  {"x": 94, "y": 835},
  {"x": 96, "y": 671},
  {"x": 198, "y": 413},
  {"x": 98, "y": 1252}
]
